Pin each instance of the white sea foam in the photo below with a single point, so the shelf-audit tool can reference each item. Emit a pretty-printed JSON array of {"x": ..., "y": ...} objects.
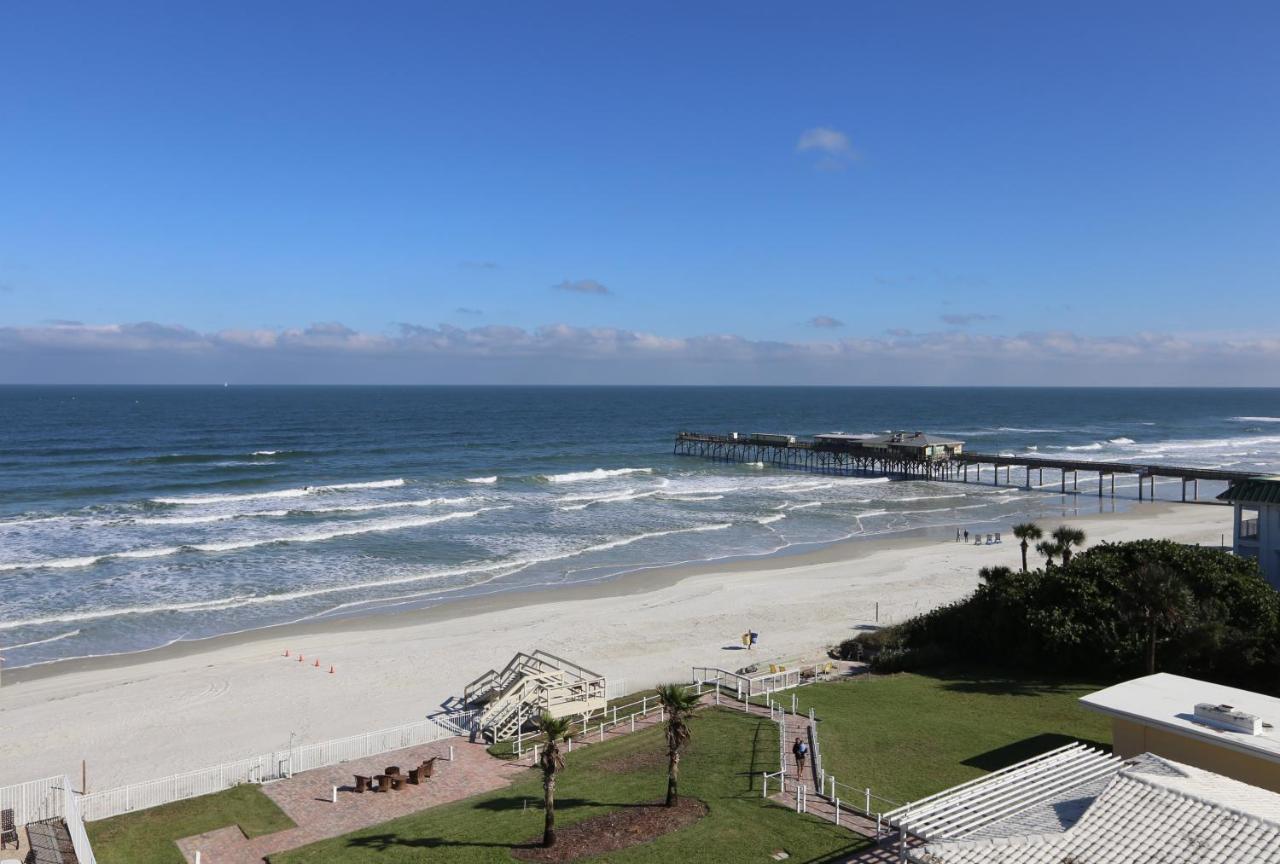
[
  {"x": 57, "y": 638},
  {"x": 597, "y": 474},
  {"x": 807, "y": 505},
  {"x": 1257, "y": 419},
  {"x": 1021, "y": 429},
  {"x": 348, "y": 530},
  {"x": 1094, "y": 446},
  {"x": 1121, "y": 440},
  {"x": 265, "y": 452},
  {"x": 692, "y": 497},
  {"x": 486, "y": 480},
  {"x": 362, "y": 508},
  {"x": 280, "y": 493},
  {"x": 769, "y": 520}
]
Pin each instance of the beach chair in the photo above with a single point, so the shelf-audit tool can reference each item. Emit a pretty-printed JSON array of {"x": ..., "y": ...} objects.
[
  {"x": 363, "y": 783},
  {"x": 8, "y": 830},
  {"x": 977, "y": 539},
  {"x": 990, "y": 539},
  {"x": 998, "y": 540}
]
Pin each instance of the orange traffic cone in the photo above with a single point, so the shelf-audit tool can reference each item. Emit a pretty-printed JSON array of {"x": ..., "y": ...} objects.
[
  {"x": 286, "y": 652},
  {"x": 330, "y": 670},
  {"x": 317, "y": 662},
  {"x": 301, "y": 658}
]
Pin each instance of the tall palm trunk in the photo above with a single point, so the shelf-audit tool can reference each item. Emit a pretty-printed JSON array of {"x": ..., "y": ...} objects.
[
  {"x": 549, "y": 808},
  {"x": 673, "y": 775},
  {"x": 1024, "y": 555}
]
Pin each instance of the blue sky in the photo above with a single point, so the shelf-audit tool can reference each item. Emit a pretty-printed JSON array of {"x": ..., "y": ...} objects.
[{"x": 711, "y": 192}]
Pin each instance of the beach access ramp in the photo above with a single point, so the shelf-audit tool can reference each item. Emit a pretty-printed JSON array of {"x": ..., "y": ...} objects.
[{"x": 509, "y": 700}]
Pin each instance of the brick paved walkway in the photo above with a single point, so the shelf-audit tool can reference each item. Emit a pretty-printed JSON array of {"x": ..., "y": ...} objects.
[{"x": 306, "y": 799}]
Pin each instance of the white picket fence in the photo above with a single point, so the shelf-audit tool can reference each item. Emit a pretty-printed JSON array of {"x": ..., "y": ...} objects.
[
  {"x": 33, "y": 801},
  {"x": 74, "y": 819},
  {"x": 261, "y": 768},
  {"x": 50, "y": 798}
]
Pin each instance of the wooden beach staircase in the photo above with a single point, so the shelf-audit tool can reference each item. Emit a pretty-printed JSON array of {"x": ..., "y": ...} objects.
[{"x": 527, "y": 686}]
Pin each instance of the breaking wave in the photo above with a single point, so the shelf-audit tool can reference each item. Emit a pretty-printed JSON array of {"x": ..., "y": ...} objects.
[
  {"x": 233, "y": 545},
  {"x": 280, "y": 493},
  {"x": 597, "y": 474}
]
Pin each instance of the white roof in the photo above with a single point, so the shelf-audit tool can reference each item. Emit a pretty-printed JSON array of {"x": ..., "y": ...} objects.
[
  {"x": 1169, "y": 702},
  {"x": 970, "y": 807},
  {"x": 1156, "y": 810}
]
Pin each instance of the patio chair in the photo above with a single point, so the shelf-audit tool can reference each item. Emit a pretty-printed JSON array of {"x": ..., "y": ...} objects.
[
  {"x": 363, "y": 783},
  {"x": 392, "y": 770},
  {"x": 397, "y": 782},
  {"x": 8, "y": 830},
  {"x": 415, "y": 776},
  {"x": 384, "y": 783},
  {"x": 429, "y": 767}
]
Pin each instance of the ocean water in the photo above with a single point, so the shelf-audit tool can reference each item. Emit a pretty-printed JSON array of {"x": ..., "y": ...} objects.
[{"x": 134, "y": 517}]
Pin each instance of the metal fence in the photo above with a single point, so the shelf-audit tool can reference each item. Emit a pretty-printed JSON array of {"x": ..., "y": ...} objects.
[
  {"x": 50, "y": 798},
  {"x": 71, "y": 815},
  {"x": 33, "y": 801},
  {"x": 263, "y": 767}
]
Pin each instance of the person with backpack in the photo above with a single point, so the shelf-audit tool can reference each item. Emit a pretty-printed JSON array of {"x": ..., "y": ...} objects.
[{"x": 800, "y": 750}]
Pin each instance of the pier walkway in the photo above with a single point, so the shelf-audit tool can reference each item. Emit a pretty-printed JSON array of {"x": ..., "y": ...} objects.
[{"x": 899, "y": 457}]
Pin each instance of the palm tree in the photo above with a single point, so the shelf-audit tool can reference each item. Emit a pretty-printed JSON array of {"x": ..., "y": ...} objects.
[
  {"x": 678, "y": 703},
  {"x": 1050, "y": 549},
  {"x": 1026, "y": 531},
  {"x": 994, "y": 575},
  {"x": 551, "y": 761},
  {"x": 1067, "y": 537},
  {"x": 1157, "y": 599}
]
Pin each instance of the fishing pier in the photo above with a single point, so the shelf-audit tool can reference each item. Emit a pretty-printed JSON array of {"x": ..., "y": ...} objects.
[{"x": 920, "y": 456}]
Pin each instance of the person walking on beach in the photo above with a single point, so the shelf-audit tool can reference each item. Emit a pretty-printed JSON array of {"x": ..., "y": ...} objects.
[
  {"x": 966, "y": 535},
  {"x": 957, "y": 535},
  {"x": 799, "y": 750}
]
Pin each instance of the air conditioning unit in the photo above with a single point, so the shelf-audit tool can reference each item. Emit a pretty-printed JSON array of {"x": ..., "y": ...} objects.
[{"x": 1232, "y": 718}]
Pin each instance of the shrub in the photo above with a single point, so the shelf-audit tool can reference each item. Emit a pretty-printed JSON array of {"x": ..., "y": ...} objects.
[{"x": 1087, "y": 616}]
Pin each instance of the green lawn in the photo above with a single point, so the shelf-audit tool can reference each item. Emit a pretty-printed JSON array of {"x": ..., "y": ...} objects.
[
  {"x": 907, "y": 736},
  {"x": 728, "y": 753},
  {"x": 146, "y": 837}
]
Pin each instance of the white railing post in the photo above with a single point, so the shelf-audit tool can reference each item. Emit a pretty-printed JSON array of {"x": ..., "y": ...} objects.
[
  {"x": 764, "y": 790},
  {"x": 717, "y": 692},
  {"x": 633, "y": 722},
  {"x": 602, "y": 732},
  {"x": 837, "y": 811},
  {"x": 868, "y": 800}
]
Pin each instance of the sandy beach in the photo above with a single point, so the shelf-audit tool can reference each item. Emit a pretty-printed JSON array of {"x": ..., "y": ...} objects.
[{"x": 141, "y": 716}]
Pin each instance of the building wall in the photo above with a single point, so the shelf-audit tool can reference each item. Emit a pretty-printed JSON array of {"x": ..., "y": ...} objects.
[
  {"x": 1266, "y": 549},
  {"x": 1129, "y": 738}
]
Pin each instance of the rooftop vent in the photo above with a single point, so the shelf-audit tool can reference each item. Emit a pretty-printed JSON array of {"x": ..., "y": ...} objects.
[{"x": 1231, "y": 718}]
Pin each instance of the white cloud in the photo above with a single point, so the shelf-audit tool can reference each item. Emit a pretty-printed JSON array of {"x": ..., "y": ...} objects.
[
  {"x": 830, "y": 143},
  {"x": 825, "y": 321},
  {"x": 331, "y": 351},
  {"x": 582, "y": 286}
]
